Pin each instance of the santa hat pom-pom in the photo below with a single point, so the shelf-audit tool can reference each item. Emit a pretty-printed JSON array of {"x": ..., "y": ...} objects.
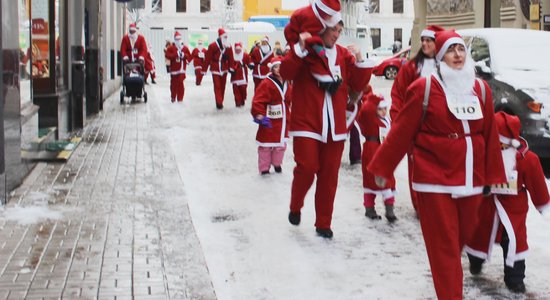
[{"x": 515, "y": 143}]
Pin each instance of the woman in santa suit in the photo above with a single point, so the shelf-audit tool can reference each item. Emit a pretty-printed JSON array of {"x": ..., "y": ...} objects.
[
  {"x": 271, "y": 110},
  {"x": 448, "y": 120},
  {"x": 421, "y": 65},
  {"x": 503, "y": 214}
]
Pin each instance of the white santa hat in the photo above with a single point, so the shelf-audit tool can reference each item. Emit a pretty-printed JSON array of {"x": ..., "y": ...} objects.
[
  {"x": 444, "y": 40},
  {"x": 383, "y": 103},
  {"x": 331, "y": 8},
  {"x": 508, "y": 127},
  {"x": 430, "y": 31}
]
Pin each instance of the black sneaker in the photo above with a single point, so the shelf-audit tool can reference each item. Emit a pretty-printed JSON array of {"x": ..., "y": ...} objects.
[
  {"x": 370, "y": 213},
  {"x": 278, "y": 169},
  {"x": 518, "y": 288},
  {"x": 294, "y": 218},
  {"x": 324, "y": 232},
  {"x": 390, "y": 215},
  {"x": 265, "y": 173},
  {"x": 476, "y": 264},
  {"x": 153, "y": 81}
]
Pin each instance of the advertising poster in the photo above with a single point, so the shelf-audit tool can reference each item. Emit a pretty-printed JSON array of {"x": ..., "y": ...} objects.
[{"x": 195, "y": 37}]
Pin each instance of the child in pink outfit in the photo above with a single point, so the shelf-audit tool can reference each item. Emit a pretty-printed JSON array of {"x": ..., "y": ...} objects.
[
  {"x": 271, "y": 110},
  {"x": 314, "y": 19}
]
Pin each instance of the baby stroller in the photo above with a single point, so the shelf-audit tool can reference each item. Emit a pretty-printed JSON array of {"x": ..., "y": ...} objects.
[{"x": 133, "y": 82}]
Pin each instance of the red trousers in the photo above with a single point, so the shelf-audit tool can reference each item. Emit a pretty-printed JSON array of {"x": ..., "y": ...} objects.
[
  {"x": 239, "y": 91},
  {"x": 198, "y": 76},
  {"x": 447, "y": 224},
  {"x": 177, "y": 89},
  {"x": 257, "y": 82},
  {"x": 219, "y": 87},
  {"x": 315, "y": 158}
]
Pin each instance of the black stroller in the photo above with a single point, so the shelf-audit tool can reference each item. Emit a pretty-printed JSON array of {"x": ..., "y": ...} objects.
[{"x": 133, "y": 82}]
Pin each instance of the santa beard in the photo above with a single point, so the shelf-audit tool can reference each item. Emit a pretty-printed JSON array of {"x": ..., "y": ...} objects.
[
  {"x": 458, "y": 81},
  {"x": 238, "y": 57}
]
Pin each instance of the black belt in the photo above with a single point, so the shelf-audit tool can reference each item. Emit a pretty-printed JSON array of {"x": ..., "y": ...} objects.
[{"x": 372, "y": 139}]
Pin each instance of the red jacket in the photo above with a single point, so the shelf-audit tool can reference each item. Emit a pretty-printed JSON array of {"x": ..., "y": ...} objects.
[
  {"x": 313, "y": 107},
  {"x": 198, "y": 57},
  {"x": 179, "y": 58},
  {"x": 371, "y": 124},
  {"x": 511, "y": 211},
  {"x": 260, "y": 61},
  {"x": 447, "y": 158},
  {"x": 149, "y": 62},
  {"x": 272, "y": 99},
  {"x": 239, "y": 75},
  {"x": 133, "y": 52},
  {"x": 218, "y": 58},
  {"x": 302, "y": 20}
]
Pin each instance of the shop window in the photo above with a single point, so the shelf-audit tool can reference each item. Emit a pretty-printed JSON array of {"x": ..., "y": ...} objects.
[
  {"x": 205, "y": 6},
  {"x": 181, "y": 6},
  {"x": 40, "y": 47},
  {"x": 25, "y": 51}
]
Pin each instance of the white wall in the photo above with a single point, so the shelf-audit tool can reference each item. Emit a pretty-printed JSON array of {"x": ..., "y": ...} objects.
[{"x": 387, "y": 21}]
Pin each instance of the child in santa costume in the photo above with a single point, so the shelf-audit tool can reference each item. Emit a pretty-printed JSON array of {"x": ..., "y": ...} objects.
[
  {"x": 199, "y": 54},
  {"x": 239, "y": 74},
  {"x": 374, "y": 121},
  {"x": 261, "y": 56},
  {"x": 179, "y": 57},
  {"x": 421, "y": 65},
  {"x": 150, "y": 66},
  {"x": 504, "y": 213},
  {"x": 166, "y": 60},
  {"x": 219, "y": 57},
  {"x": 271, "y": 110},
  {"x": 448, "y": 120},
  {"x": 133, "y": 46},
  {"x": 315, "y": 19}
]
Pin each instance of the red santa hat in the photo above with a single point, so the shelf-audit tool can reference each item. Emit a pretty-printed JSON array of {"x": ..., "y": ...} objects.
[
  {"x": 508, "y": 129},
  {"x": 275, "y": 61},
  {"x": 430, "y": 31},
  {"x": 265, "y": 39},
  {"x": 221, "y": 32},
  {"x": 132, "y": 27},
  {"x": 238, "y": 45},
  {"x": 329, "y": 11},
  {"x": 177, "y": 36},
  {"x": 445, "y": 39}
]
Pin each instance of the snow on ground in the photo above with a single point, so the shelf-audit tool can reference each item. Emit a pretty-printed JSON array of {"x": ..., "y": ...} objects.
[{"x": 253, "y": 252}]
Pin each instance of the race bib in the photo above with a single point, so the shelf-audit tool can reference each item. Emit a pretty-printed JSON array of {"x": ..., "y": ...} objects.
[
  {"x": 508, "y": 188},
  {"x": 275, "y": 111},
  {"x": 336, "y": 72},
  {"x": 201, "y": 55},
  {"x": 466, "y": 108},
  {"x": 135, "y": 51},
  {"x": 383, "y": 133}
]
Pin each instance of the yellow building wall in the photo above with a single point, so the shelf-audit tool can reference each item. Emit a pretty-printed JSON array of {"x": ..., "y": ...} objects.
[{"x": 263, "y": 7}]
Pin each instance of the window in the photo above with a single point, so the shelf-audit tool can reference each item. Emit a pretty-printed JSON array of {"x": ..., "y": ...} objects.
[
  {"x": 181, "y": 6},
  {"x": 205, "y": 6},
  {"x": 398, "y": 34},
  {"x": 397, "y": 6},
  {"x": 375, "y": 35},
  {"x": 374, "y": 6},
  {"x": 156, "y": 6}
]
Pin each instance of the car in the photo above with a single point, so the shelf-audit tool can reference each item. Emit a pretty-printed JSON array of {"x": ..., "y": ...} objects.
[
  {"x": 382, "y": 51},
  {"x": 390, "y": 66},
  {"x": 516, "y": 65}
]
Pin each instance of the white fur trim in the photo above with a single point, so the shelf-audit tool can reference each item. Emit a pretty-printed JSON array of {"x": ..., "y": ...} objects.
[
  {"x": 505, "y": 220},
  {"x": 273, "y": 64},
  {"x": 325, "y": 8},
  {"x": 446, "y": 189},
  {"x": 478, "y": 254},
  {"x": 323, "y": 77},
  {"x": 428, "y": 33},
  {"x": 307, "y": 134},
  {"x": 385, "y": 193},
  {"x": 508, "y": 141},
  {"x": 447, "y": 44},
  {"x": 299, "y": 52},
  {"x": 383, "y": 104},
  {"x": 544, "y": 208},
  {"x": 335, "y": 19}
]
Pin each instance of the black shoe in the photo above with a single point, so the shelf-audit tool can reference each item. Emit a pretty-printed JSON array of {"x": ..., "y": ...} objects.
[
  {"x": 390, "y": 215},
  {"x": 278, "y": 169},
  {"x": 324, "y": 232},
  {"x": 476, "y": 264},
  {"x": 219, "y": 106},
  {"x": 518, "y": 288},
  {"x": 265, "y": 173},
  {"x": 173, "y": 100},
  {"x": 153, "y": 81},
  {"x": 370, "y": 213},
  {"x": 294, "y": 218}
]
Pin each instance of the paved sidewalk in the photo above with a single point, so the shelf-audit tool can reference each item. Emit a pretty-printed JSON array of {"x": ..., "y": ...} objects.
[{"x": 124, "y": 229}]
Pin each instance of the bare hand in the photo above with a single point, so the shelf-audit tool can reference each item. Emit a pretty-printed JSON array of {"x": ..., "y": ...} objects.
[
  {"x": 356, "y": 52},
  {"x": 303, "y": 37},
  {"x": 380, "y": 181},
  {"x": 259, "y": 117}
]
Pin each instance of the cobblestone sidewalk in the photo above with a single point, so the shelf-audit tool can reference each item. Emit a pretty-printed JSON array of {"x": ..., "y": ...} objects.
[{"x": 125, "y": 231}]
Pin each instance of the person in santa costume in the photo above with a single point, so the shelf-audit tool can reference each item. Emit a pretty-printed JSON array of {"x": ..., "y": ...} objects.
[
  {"x": 179, "y": 56},
  {"x": 421, "y": 65},
  {"x": 199, "y": 54},
  {"x": 261, "y": 56},
  {"x": 374, "y": 121},
  {"x": 150, "y": 66},
  {"x": 503, "y": 214},
  {"x": 448, "y": 120},
  {"x": 166, "y": 60},
  {"x": 219, "y": 57},
  {"x": 133, "y": 47},
  {"x": 315, "y": 19},
  {"x": 318, "y": 123},
  {"x": 239, "y": 74},
  {"x": 271, "y": 110}
]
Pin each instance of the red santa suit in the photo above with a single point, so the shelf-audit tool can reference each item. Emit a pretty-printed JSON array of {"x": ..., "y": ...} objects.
[
  {"x": 408, "y": 73},
  {"x": 179, "y": 57},
  {"x": 314, "y": 18},
  {"x": 198, "y": 54},
  {"x": 219, "y": 57},
  {"x": 319, "y": 127},
  {"x": 239, "y": 75},
  {"x": 150, "y": 67},
  {"x": 133, "y": 46},
  {"x": 453, "y": 160},
  {"x": 272, "y": 100},
  {"x": 506, "y": 210},
  {"x": 261, "y": 58},
  {"x": 374, "y": 128}
]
